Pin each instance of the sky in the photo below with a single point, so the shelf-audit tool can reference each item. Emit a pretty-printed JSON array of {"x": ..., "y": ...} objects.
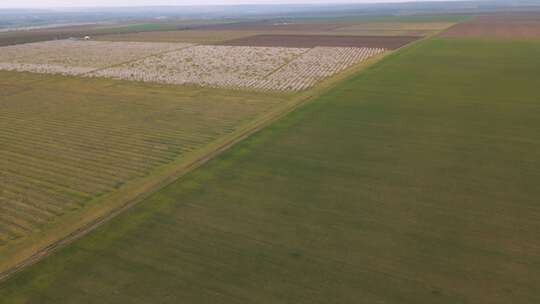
[{"x": 111, "y": 3}]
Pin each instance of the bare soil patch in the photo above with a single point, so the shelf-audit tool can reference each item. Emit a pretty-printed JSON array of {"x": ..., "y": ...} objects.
[
  {"x": 310, "y": 41},
  {"x": 506, "y": 26}
]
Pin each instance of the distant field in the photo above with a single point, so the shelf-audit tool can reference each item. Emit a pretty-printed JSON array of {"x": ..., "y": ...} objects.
[
  {"x": 272, "y": 25},
  {"x": 395, "y": 28},
  {"x": 20, "y": 37},
  {"x": 69, "y": 144},
  {"x": 190, "y": 36},
  {"x": 167, "y": 25},
  {"x": 415, "y": 181},
  {"x": 216, "y": 30},
  {"x": 95, "y": 30},
  {"x": 375, "y": 26},
  {"x": 503, "y": 25},
  {"x": 55, "y": 33},
  {"x": 309, "y": 41},
  {"x": 415, "y": 18}
]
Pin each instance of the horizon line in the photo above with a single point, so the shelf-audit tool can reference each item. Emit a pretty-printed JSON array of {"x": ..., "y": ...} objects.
[{"x": 285, "y": 3}]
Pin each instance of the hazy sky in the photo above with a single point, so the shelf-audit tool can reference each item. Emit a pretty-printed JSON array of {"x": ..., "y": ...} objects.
[{"x": 88, "y": 3}]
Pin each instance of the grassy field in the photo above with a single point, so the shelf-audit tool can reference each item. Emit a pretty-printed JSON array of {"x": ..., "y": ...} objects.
[
  {"x": 413, "y": 182},
  {"x": 73, "y": 149}
]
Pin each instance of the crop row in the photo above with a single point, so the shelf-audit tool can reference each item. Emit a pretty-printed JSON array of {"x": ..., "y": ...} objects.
[
  {"x": 72, "y": 57},
  {"x": 317, "y": 64},
  {"x": 219, "y": 66},
  {"x": 261, "y": 68},
  {"x": 56, "y": 154}
]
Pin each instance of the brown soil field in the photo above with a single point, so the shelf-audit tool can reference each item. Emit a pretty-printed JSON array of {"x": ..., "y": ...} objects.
[
  {"x": 506, "y": 26},
  {"x": 309, "y": 41}
]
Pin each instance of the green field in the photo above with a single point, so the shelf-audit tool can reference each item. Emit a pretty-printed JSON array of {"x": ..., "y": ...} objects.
[{"x": 415, "y": 181}]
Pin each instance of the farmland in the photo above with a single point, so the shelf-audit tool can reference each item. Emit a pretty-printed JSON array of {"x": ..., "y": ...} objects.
[
  {"x": 395, "y": 28},
  {"x": 386, "y": 42},
  {"x": 65, "y": 31},
  {"x": 260, "y": 68},
  {"x": 377, "y": 153},
  {"x": 208, "y": 65},
  {"x": 378, "y": 26},
  {"x": 78, "y": 146},
  {"x": 182, "y": 36},
  {"x": 414, "y": 181},
  {"x": 69, "y": 57},
  {"x": 73, "y": 148},
  {"x": 315, "y": 65}
]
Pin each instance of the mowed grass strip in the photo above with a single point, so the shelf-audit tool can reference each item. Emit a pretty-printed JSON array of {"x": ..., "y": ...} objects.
[
  {"x": 67, "y": 141},
  {"x": 414, "y": 182}
]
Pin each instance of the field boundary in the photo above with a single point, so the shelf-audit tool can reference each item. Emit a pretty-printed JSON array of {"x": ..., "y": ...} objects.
[{"x": 96, "y": 214}]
